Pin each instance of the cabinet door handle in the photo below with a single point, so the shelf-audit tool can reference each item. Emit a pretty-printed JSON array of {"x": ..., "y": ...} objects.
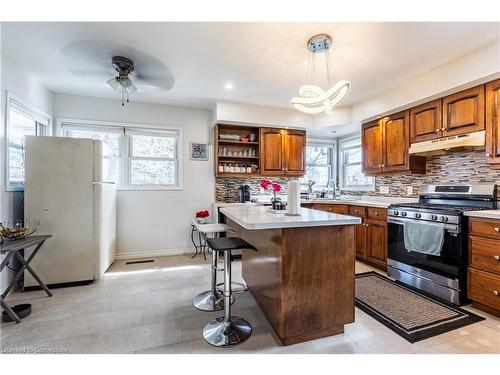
[
  {"x": 496, "y": 293},
  {"x": 443, "y": 129},
  {"x": 383, "y": 165},
  {"x": 497, "y": 258},
  {"x": 496, "y": 229},
  {"x": 438, "y": 130},
  {"x": 375, "y": 213},
  {"x": 488, "y": 155}
]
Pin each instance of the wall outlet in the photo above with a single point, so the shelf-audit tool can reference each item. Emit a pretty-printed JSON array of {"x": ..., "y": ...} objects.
[
  {"x": 409, "y": 190},
  {"x": 384, "y": 190}
]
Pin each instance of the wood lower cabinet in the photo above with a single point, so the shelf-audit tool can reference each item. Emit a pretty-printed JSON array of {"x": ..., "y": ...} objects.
[
  {"x": 463, "y": 112},
  {"x": 370, "y": 236},
  {"x": 493, "y": 123},
  {"x": 386, "y": 144},
  {"x": 426, "y": 122},
  {"x": 484, "y": 264},
  {"x": 333, "y": 208},
  {"x": 376, "y": 243},
  {"x": 282, "y": 152}
]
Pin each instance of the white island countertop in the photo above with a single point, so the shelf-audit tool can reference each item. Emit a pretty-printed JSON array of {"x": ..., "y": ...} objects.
[{"x": 260, "y": 217}]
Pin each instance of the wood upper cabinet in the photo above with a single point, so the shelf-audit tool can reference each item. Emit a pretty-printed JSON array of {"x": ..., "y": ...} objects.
[
  {"x": 426, "y": 122},
  {"x": 463, "y": 112},
  {"x": 493, "y": 122},
  {"x": 272, "y": 151},
  {"x": 385, "y": 145},
  {"x": 282, "y": 152},
  {"x": 295, "y": 152},
  {"x": 396, "y": 142},
  {"x": 372, "y": 135}
]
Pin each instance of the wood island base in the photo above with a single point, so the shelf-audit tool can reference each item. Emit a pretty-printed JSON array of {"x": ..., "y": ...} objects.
[{"x": 302, "y": 278}]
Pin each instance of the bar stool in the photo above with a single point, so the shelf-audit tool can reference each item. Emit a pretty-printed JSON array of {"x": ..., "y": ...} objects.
[
  {"x": 210, "y": 300},
  {"x": 227, "y": 330}
]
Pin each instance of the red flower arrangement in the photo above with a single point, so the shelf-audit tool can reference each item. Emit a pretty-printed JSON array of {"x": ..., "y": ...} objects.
[
  {"x": 275, "y": 187},
  {"x": 202, "y": 214}
]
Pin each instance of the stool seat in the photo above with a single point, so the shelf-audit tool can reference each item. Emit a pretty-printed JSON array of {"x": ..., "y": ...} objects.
[{"x": 229, "y": 243}]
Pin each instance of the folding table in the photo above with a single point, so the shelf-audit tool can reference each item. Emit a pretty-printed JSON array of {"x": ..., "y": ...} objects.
[{"x": 13, "y": 249}]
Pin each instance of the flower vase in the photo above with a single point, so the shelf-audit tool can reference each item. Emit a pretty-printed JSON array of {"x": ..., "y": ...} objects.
[{"x": 201, "y": 220}]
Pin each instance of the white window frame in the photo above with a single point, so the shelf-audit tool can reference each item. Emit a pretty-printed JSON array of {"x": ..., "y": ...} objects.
[
  {"x": 333, "y": 158},
  {"x": 126, "y": 150},
  {"x": 130, "y": 132},
  {"x": 343, "y": 165},
  {"x": 42, "y": 128}
]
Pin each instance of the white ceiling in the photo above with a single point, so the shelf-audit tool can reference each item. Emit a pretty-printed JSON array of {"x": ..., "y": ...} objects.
[{"x": 266, "y": 62}]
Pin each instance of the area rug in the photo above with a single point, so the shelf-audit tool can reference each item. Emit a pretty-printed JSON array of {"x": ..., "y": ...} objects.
[{"x": 413, "y": 315}]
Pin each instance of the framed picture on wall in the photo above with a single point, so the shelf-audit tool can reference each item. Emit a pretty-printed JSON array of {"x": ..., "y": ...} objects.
[{"x": 198, "y": 151}]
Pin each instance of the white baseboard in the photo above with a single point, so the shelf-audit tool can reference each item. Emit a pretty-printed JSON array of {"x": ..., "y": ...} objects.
[{"x": 154, "y": 253}]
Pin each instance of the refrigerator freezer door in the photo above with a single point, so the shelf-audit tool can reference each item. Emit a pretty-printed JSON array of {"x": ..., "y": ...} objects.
[
  {"x": 105, "y": 166},
  {"x": 59, "y": 192},
  {"x": 105, "y": 226}
]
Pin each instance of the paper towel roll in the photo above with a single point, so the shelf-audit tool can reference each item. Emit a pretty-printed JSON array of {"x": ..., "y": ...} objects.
[{"x": 293, "y": 199}]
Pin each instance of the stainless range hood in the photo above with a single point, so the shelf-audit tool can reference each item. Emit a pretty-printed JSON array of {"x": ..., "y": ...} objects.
[{"x": 448, "y": 144}]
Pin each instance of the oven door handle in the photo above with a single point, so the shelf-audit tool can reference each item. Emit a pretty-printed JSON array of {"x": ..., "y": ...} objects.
[{"x": 451, "y": 228}]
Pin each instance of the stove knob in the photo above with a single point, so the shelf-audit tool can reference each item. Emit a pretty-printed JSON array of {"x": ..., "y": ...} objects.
[
  {"x": 395, "y": 213},
  {"x": 403, "y": 213},
  {"x": 434, "y": 217},
  {"x": 417, "y": 215},
  {"x": 443, "y": 218}
]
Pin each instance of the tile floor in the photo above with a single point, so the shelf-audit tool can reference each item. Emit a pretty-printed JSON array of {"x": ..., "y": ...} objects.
[{"x": 146, "y": 308}]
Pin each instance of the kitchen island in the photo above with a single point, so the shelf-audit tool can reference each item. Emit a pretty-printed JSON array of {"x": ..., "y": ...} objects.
[{"x": 302, "y": 275}]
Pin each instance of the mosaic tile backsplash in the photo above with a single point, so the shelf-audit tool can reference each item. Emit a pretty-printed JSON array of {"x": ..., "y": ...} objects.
[
  {"x": 226, "y": 189},
  {"x": 453, "y": 168}
]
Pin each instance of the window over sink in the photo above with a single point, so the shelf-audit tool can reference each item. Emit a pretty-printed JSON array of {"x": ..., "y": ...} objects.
[
  {"x": 320, "y": 165},
  {"x": 351, "y": 176}
]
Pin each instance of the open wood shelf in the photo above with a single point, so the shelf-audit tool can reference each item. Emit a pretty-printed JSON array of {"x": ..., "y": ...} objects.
[
  {"x": 237, "y": 157},
  {"x": 240, "y": 143},
  {"x": 228, "y": 174}
]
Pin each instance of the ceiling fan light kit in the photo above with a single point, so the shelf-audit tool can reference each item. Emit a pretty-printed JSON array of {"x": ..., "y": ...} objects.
[
  {"x": 313, "y": 99},
  {"x": 124, "y": 67}
]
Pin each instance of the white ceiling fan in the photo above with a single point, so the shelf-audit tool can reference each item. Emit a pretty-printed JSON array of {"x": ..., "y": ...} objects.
[{"x": 133, "y": 70}]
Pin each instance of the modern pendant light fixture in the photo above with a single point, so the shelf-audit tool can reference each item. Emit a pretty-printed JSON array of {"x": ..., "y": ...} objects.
[{"x": 312, "y": 99}]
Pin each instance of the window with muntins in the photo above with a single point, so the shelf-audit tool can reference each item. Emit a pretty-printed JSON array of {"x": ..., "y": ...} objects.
[
  {"x": 352, "y": 177},
  {"x": 319, "y": 165},
  {"x": 137, "y": 156},
  {"x": 21, "y": 121}
]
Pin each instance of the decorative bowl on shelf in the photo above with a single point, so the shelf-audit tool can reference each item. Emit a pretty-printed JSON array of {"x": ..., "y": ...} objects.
[
  {"x": 18, "y": 232},
  {"x": 229, "y": 137},
  {"x": 244, "y": 139}
]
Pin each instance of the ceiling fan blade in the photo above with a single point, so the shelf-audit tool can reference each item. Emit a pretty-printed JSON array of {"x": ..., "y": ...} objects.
[
  {"x": 113, "y": 82},
  {"x": 132, "y": 88},
  {"x": 92, "y": 60}
]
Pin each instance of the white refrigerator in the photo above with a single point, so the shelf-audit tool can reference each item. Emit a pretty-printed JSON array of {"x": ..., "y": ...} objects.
[{"x": 65, "y": 191}]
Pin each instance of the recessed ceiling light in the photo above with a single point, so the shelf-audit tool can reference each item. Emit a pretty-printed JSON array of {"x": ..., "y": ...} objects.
[{"x": 229, "y": 86}]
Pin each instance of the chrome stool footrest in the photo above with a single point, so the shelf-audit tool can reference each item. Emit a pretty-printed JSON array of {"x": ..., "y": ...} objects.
[
  {"x": 222, "y": 333},
  {"x": 242, "y": 287}
]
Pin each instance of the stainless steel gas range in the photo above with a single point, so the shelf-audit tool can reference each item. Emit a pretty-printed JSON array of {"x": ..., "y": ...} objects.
[{"x": 427, "y": 241}]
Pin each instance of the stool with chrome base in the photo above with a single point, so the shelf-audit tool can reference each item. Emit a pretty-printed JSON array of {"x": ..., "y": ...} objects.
[
  {"x": 227, "y": 330},
  {"x": 210, "y": 300}
]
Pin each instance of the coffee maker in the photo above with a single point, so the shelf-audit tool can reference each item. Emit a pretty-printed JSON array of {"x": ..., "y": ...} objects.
[{"x": 244, "y": 193}]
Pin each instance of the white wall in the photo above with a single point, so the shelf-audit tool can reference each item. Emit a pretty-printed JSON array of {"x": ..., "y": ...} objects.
[
  {"x": 233, "y": 112},
  {"x": 156, "y": 222},
  {"x": 32, "y": 92},
  {"x": 476, "y": 67}
]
